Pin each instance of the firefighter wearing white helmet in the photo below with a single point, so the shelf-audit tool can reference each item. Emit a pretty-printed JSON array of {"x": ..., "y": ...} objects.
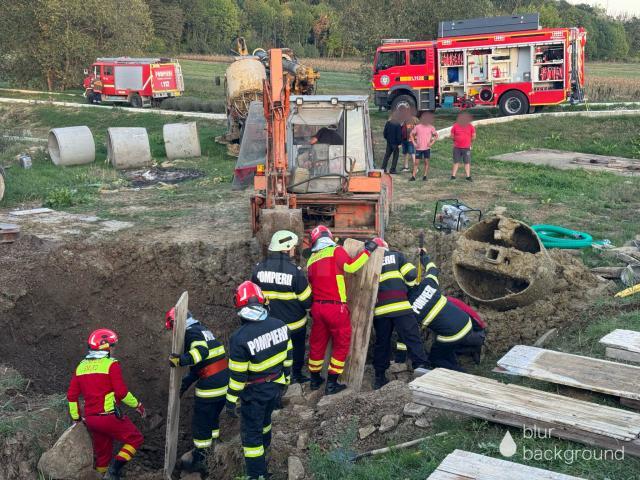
[{"x": 285, "y": 285}]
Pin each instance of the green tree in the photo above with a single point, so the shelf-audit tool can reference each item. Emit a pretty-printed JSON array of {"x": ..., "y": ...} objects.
[
  {"x": 210, "y": 25},
  {"x": 168, "y": 22}
]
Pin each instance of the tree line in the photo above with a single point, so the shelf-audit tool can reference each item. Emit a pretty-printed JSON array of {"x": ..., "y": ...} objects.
[{"x": 49, "y": 42}]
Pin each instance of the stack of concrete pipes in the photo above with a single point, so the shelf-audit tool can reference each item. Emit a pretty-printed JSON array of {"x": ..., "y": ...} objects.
[{"x": 127, "y": 147}]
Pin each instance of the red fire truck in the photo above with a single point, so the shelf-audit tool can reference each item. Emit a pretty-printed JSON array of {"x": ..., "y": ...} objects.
[
  {"x": 140, "y": 82},
  {"x": 509, "y": 62}
]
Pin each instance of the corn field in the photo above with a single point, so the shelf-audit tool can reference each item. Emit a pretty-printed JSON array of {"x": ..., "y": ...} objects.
[{"x": 609, "y": 89}]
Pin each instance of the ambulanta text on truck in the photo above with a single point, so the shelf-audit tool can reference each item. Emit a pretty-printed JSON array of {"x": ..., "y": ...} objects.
[
  {"x": 139, "y": 82},
  {"x": 508, "y": 62}
]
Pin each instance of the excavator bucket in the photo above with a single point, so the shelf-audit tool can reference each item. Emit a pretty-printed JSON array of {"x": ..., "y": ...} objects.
[{"x": 274, "y": 219}]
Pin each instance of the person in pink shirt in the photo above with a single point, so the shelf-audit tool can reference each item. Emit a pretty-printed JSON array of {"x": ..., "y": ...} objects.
[
  {"x": 463, "y": 135},
  {"x": 423, "y": 136}
]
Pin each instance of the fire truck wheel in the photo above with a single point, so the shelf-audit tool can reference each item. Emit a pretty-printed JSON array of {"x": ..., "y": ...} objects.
[
  {"x": 514, "y": 102},
  {"x": 404, "y": 101},
  {"x": 135, "y": 100}
]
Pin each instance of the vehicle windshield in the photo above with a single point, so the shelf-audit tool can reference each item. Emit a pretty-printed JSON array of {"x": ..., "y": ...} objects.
[{"x": 390, "y": 59}]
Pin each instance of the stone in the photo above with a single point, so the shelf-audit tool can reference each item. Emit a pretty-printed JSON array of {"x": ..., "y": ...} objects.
[
  {"x": 331, "y": 399},
  {"x": 190, "y": 476},
  {"x": 414, "y": 409},
  {"x": 423, "y": 422},
  {"x": 303, "y": 412},
  {"x": 392, "y": 385},
  {"x": 71, "y": 457},
  {"x": 389, "y": 422},
  {"x": 294, "y": 390},
  {"x": 303, "y": 440},
  {"x": 364, "y": 432},
  {"x": 398, "y": 367},
  {"x": 295, "y": 468}
]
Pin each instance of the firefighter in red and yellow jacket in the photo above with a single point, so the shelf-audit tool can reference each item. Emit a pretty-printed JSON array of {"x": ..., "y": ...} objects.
[
  {"x": 98, "y": 379},
  {"x": 331, "y": 318}
]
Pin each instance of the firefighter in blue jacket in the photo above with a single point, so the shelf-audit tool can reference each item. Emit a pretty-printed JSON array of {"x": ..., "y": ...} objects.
[
  {"x": 393, "y": 310},
  {"x": 287, "y": 289},
  {"x": 205, "y": 356},
  {"x": 260, "y": 369},
  {"x": 452, "y": 326}
]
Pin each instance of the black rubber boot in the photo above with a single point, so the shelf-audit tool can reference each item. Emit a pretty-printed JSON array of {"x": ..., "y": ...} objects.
[
  {"x": 316, "y": 381},
  {"x": 198, "y": 461},
  {"x": 476, "y": 355},
  {"x": 400, "y": 356},
  {"x": 333, "y": 386},
  {"x": 380, "y": 381},
  {"x": 299, "y": 377},
  {"x": 115, "y": 470}
]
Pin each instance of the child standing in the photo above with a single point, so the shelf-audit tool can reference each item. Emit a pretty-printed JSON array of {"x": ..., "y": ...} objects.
[
  {"x": 423, "y": 136},
  {"x": 463, "y": 134},
  {"x": 408, "y": 148}
]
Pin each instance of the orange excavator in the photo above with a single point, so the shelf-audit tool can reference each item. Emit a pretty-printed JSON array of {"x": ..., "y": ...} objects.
[{"x": 319, "y": 167}]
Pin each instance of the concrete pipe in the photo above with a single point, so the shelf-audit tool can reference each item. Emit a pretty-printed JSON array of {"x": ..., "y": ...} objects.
[
  {"x": 128, "y": 147},
  {"x": 181, "y": 140},
  {"x": 71, "y": 146},
  {"x": 502, "y": 263}
]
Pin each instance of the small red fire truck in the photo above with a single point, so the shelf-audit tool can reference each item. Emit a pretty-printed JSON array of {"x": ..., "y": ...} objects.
[
  {"x": 509, "y": 62},
  {"x": 140, "y": 82}
]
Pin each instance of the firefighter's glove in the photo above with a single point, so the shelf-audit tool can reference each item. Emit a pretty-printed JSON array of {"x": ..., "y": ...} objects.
[
  {"x": 141, "y": 411},
  {"x": 231, "y": 409},
  {"x": 174, "y": 360},
  {"x": 370, "y": 246}
]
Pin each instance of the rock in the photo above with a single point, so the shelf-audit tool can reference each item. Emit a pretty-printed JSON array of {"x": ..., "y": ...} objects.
[
  {"x": 295, "y": 468},
  {"x": 294, "y": 390},
  {"x": 423, "y": 422},
  {"x": 331, "y": 399},
  {"x": 398, "y": 367},
  {"x": 304, "y": 413},
  {"x": 190, "y": 476},
  {"x": 392, "y": 385},
  {"x": 303, "y": 440},
  {"x": 313, "y": 396},
  {"x": 275, "y": 414},
  {"x": 226, "y": 459},
  {"x": 71, "y": 457},
  {"x": 364, "y": 432},
  {"x": 389, "y": 422},
  {"x": 414, "y": 409}
]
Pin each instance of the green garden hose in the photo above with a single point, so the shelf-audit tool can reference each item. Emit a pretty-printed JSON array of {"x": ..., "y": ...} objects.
[{"x": 553, "y": 236}]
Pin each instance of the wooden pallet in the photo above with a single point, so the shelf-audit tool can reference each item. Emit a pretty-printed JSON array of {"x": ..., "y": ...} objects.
[
  {"x": 622, "y": 345},
  {"x": 603, "y": 376},
  {"x": 554, "y": 414},
  {"x": 461, "y": 465}
]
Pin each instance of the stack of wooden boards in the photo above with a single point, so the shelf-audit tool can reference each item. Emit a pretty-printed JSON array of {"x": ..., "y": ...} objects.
[
  {"x": 461, "y": 465},
  {"x": 622, "y": 345}
]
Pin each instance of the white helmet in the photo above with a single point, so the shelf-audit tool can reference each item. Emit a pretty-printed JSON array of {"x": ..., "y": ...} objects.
[{"x": 283, "y": 241}]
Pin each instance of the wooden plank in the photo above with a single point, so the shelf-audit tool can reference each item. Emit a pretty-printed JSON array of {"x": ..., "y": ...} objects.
[
  {"x": 603, "y": 376},
  {"x": 622, "y": 345},
  {"x": 175, "y": 379},
  {"x": 558, "y": 416},
  {"x": 362, "y": 291},
  {"x": 471, "y": 466}
]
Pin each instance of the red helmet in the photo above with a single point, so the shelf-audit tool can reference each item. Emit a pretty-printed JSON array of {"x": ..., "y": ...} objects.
[
  {"x": 102, "y": 339},
  {"x": 248, "y": 293},
  {"x": 170, "y": 318},
  {"x": 319, "y": 232},
  {"x": 380, "y": 242}
]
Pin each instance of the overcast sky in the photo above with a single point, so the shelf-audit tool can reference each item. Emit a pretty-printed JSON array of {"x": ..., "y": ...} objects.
[{"x": 615, "y": 7}]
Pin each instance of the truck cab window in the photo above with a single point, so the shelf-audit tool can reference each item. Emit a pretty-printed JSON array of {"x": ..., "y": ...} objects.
[
  {"x": 390, "y": 59},
  {"x": 417, "y": 57},
  {"x": 107, "y": 70}
]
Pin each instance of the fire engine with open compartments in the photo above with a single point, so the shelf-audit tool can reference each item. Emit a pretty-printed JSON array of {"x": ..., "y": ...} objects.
[
  {"x": 509, "y": 62},
  {"x": 140, "y": 82}
]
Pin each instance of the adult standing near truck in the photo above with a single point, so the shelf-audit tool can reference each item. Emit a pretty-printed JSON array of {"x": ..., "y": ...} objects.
[
  {"x": 286, "y": 287},
  {"x": 259, "y": 371},
  {"x": 205, "y": 356},
  {"x": 331, "y": 318},
  {"x": 393, "y": 135},
  {"x": 98, "y": 380}
]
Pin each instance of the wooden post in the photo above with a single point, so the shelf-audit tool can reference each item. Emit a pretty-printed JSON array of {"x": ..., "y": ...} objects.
[
  {"x": 362, "y": 291},
  {"x": 175, "y": 379}
]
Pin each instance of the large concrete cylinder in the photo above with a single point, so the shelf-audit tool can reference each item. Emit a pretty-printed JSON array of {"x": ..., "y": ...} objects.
[
  {"x": 181, "y": 140},
  {"x": 243, "y": 81},
  {"x": 71, "y": 146},
  {"x": 128, "y": 147},
  {"x": 502, "y": 263}
]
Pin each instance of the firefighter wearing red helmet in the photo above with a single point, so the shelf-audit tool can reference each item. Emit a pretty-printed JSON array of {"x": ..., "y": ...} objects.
[
  {"x": 331, "y": 318},
  {"x": 393, "y": 310},
  {"x": 98, "y": 379},
  {"x": 260, "y": 362},
  {"x": 205, "y": 356}
]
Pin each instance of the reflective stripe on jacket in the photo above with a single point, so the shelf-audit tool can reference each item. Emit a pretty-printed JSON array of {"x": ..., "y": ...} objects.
[
  {"x": 326, "y": 269},
  {"x": 396, "y": 276}
]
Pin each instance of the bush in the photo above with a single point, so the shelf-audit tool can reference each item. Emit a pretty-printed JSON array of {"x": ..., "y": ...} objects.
[
  {"x": 63, "y": 197},
  {"x": 192, "y": 104},
  {"x": 311, "y": 51}
]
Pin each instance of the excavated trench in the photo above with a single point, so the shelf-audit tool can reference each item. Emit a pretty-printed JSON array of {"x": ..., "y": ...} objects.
[{"x": 53, "y": 295}]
